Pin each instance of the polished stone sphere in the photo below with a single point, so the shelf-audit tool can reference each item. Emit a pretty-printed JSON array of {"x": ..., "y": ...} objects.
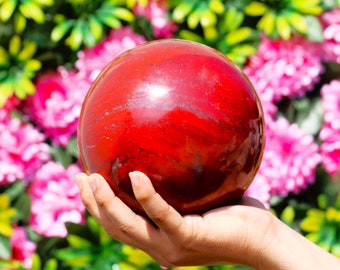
[{"x": 180, "y": 112}]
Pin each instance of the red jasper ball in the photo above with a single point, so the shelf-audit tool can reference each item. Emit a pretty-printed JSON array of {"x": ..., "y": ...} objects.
[{"x": 180, "y": 112}]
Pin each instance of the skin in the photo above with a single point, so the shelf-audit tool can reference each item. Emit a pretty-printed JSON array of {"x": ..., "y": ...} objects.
[{"x": 245, "y": 234}]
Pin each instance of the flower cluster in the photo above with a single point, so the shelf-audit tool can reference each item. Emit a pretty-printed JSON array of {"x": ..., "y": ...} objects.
[{"x": 52, "y": 51}]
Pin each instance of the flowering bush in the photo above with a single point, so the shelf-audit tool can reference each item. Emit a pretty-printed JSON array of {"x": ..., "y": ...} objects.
[{"x": 50, "y": 53}]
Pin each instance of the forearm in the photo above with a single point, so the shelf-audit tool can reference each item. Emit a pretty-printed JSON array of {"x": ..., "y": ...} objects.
[{"x": 289, "y": 250}]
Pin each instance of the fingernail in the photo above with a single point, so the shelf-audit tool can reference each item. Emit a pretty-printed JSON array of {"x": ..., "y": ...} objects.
[
  {"x": 135, "y": 179},
  {"x": 93, "y": 184}
]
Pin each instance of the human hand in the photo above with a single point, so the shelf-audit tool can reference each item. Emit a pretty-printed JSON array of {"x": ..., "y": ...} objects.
[{"x": 233, "y": 234}]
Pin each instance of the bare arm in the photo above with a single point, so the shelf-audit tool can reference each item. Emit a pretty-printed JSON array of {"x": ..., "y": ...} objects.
[{"x": 244, "y": 234}]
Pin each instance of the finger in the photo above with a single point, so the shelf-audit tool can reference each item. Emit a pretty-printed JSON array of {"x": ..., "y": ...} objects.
[
  {"x": 84, "y": 182},
  {"x": 160, "y": 212},
  {"x": 125, "y": 224}
]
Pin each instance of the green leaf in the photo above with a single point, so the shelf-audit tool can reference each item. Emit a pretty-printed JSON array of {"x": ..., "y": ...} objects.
[
  {"x": 73, "y": 257},
  {"x": 59, "y": 31},
  {"x": 36, "y": 262},
  {"x": 23, "y": 206},
  {"x": 33, "y": 11},
  {"x": 182, "y": 10},
  {"x": 78, "y": 242},
  {"x": 194, "y": 19},
  {"x": 60, "y": 155},
  {"x": 72, "y": 147},
  {"x": 19, "y": 23},
  {"x": 238, "y": 35},
  {"x": 323, "y": 201},
  {"x": 28, "y": 51},
  {"x": 14, "y": 45},
  {"x": 51, "y": 264},
  {"x": 111, "y": 22},
  {"x": 266, "y": 23},
  {"x": 298, "y": 22},
  {"x": 216, "y": 6},
  {"x": 76, "y": 37},
  {"x": 190, "y": 35},
  {"x": 309, "y": 115},
  {"x": 6, "y": 9},
  {"x": 283, "y": 27},
  {"x": 96, "y": 28},
  {"x": 15, "y": 190},
  {"x": 255, "y": 9},
  {"x": 88, "y": 38},
  {"x": 232, "y": 19},
  {"x": 288, "y": 215},
  {"x": 210, "y": 33},
  {"x": 123, "y": 14},
  {"x": 314, "y": 30},
  {"x": 208, "y": 18},
  {"x": 5, "y": 248}
]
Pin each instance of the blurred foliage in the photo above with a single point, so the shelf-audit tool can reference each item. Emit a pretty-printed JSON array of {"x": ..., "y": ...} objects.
[
  {"x": 17, "y": 68},
  {"x": 86, "y": 21},
  {"x": 44, "y": 34}
]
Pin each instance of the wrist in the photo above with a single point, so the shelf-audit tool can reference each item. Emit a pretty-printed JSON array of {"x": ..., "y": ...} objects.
[{"x": 284, "y": 248}]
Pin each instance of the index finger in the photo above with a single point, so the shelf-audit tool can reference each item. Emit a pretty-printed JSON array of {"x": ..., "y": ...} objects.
[{"x": 158, "y": 210}]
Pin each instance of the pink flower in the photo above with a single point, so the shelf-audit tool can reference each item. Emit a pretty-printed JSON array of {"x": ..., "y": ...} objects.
[
  {"x": 331, "y": 33},
  {"x": 156, "y": 11},
  {"x": 286, "y": 68},
  {"x": 330, "y": 132},
  {"x": 290, "y": 158},
  {"x": 55, "y": 200},
  {"x": 260, "y": 190},
  {"x": 22, "y": 247},
  {"x": 22, "y": 150},
  {"x": 91, "y": 61},
  {"x": 57, "y": 103}
]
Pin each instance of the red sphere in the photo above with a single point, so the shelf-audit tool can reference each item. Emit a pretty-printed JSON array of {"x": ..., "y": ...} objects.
[{"x": 180, "y": 112}]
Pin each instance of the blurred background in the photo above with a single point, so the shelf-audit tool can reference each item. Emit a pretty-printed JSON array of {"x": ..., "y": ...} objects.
[{"x": 52, "y": 50}]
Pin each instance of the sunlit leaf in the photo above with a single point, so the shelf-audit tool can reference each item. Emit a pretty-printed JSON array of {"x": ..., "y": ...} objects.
[
  {"x": 123, "y": 14},
  {"x": 51, "y": 264},
  {"x": 33, "y": 11},
  {"x": 4, "y": 57},
  {"x": 74, "y": 257},
  {"x": 19, "y": 22},
  {"x": 298, "y": 22},
  {"x": 288, "y": 215},
  {"x": 314, "y": 30},
  {"x": 14, "y": 45},
  {"x": 238, "y": 35},
  {"x": 208, "y": 18},
  {"x": 96, "y": 28},
  {"x": 7, "y": 9},
  {"x": 182, "y": 10},
  {"x": 232, "y": 19},
  {"x": 267, "y": 23},
  {"x": 76, "y": 38},
  {"x": 59, "y": 31},
  {"x": 78, "y": 242},
  {"x": 283, "y": 27},
  {"x": 216, "y": 6},
  {"x": 24, "y": 87},
  {"x": 210, "y": 33},
  {"x": 27, "y": 51},
  {"x": 255, "y": 9},
  {"x": 32, "y": 65},
  {"x": 194, "y": 19},
  {"x": 111, "y": 22},
  {"x": 190, "y": 35}
]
